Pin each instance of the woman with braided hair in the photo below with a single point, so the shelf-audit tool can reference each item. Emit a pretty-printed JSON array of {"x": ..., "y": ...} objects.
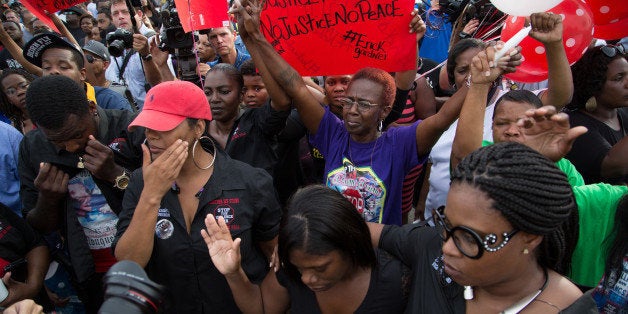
[{"x": 508, "y": 230}]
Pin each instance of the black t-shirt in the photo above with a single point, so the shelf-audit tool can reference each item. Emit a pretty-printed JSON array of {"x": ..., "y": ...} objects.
[
  {"x": 7, "y": 61},
  {"x": 432, "y": 291},
  {"x": 253, "y": 138},
  {"x": 590, "y": 149},
  {"x": 17, "y": 238},
  {"x": 180, "y": 261},
  {"x": 387, "y": 292}
]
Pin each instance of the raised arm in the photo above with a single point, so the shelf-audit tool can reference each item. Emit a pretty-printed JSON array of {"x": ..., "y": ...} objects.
[
  {"x": 16, "y": 52},
  {"x": 225, "y": 255},
  {"x": 548, "y": 29},
  {"x": 431, "y": 129},
  {"x": 279, "y": 70},
  {"x": 471, "y": 122}
]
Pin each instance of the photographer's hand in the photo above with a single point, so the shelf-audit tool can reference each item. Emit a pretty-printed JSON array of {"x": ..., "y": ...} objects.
[{"x": 140, "y": 44}]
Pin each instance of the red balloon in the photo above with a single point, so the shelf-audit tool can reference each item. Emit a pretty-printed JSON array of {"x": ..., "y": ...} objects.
[
  {"x": 577, "y": 34},
  {"x": 608, "y": 11},
  {"x": 616, "y": 30},
  {"x": 523, "y": 76}
]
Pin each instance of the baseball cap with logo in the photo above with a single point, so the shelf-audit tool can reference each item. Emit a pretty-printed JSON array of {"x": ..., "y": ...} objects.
[
  {"x": 34, "y": 48},
  {"x": 170, "y": 103},
  {"x": 97, "y": 48}
]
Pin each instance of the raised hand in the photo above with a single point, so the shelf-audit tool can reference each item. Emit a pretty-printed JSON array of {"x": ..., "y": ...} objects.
[
  {"x": 417, "y": 25},
  {"x": 548, "y": 132},
  {"x": 51, "y": 182},
  {"x": 247, "y": 14},
  {"x": 160, "y": 173},
  {"x": 483, "y": 69},
  {"x": 546, "y": 27},
  {"x": 98, "y": 159},
  {"x": 223, "y": 250}
]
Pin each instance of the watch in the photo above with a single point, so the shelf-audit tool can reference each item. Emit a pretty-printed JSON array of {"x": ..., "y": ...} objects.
[
  {"x": 122, "y": 181},
  {"x": 147, "y": 57}
]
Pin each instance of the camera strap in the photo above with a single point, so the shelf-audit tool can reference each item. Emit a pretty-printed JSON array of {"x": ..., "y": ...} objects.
[{"x": 125, "y": 62}]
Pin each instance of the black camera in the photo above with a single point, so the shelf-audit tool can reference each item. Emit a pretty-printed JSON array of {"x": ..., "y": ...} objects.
[
  {"x": 119, "y": 40},
  {"x": 128, "y": 290},
  {"x": 175, "y": 40}
]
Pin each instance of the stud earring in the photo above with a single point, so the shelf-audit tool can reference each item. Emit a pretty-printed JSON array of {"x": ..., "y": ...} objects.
[{"x": 525, "y": 251}]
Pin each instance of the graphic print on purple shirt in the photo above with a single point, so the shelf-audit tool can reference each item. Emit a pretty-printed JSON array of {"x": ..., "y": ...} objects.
[{"x": 362, "y": 187}]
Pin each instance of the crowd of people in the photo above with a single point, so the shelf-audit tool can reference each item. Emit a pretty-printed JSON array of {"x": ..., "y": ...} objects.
[{"x": 251, "y": 188}]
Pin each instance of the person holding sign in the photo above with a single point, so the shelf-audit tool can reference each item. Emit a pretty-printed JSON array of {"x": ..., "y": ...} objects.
[{"x": 363, "y": 163}]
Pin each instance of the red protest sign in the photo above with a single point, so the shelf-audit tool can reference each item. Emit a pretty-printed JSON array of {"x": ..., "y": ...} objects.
[
  {"x": 40, "y": 7},
  {"x": 202, "y": 14},
  {"x": 336, "y": 37},
  {"x": 50, "y": 5}
]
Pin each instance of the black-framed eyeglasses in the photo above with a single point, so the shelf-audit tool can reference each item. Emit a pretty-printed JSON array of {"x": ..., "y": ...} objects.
[
  {"x": 363, "y": 105},
  {"x": 12, "y": 90},
  {"x": 612, "y": 50},
  {"x": 469, "y": 242}
]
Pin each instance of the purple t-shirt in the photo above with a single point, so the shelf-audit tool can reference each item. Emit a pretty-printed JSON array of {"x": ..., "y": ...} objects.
[{"x": 370, "y": 174}]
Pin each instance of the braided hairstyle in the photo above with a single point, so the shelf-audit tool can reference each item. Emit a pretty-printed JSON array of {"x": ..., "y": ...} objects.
[
  {"x": 530, "y": 192},
  {"x": 589, "y": 76}
]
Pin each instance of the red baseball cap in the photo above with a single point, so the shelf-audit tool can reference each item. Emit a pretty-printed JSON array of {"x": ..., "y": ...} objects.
[{"x": 168, "y": 104}]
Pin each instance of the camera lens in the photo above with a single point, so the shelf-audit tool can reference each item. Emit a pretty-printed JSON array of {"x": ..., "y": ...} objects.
[{"x": 116, "y": 48}]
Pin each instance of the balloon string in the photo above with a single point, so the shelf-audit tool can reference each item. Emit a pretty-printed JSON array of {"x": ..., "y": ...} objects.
[
  {"x": 488, "y": 31},
  {"x": 489, "y": 28},
  {"x": 491, "y": 31},
  {"x": 480, "y": 25},
  {"x": 418, "y": 76}
]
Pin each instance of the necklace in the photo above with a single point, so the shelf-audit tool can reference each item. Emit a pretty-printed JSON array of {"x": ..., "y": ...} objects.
[
  {"x": 372, "y": 151},
  {"x": 519, "y": 305}
]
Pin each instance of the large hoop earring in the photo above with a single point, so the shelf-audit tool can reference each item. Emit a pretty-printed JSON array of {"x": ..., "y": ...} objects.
[
  {"x": 211, "y": 164},
  {"x": 591, "y": 104}
]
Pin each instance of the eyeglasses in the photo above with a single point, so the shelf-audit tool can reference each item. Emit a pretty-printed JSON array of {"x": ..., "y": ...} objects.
[
  {"x": 363, "y": 105},
  {"x": 91, "y": 58},
  {"x": 12, "y": 90},
  {"x": 612, "y": 50},
  {"x": 469, "y": 242}
]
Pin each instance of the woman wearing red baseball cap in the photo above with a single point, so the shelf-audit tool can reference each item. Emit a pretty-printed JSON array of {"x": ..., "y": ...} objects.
[{"x": 184, "y": 177}]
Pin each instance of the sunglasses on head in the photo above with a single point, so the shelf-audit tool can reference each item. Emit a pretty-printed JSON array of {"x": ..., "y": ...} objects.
[{"x": 612, "y": 50}]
